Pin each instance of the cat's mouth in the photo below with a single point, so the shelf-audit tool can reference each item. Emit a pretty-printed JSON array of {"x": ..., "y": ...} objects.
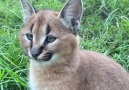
[{"x": 46, "y": 57}]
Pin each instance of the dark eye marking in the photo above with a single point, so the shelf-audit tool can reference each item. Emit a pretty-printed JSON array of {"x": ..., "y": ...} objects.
[
  {"x": 48, "y": 29},
  {"x": 29, "y": 36},
  {"x": 31, "y": 28}
]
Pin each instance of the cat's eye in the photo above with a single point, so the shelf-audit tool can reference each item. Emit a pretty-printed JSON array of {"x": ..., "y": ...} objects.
[
  {"x": 29, "y": 36},
  {"x": 51, "y": 38}
]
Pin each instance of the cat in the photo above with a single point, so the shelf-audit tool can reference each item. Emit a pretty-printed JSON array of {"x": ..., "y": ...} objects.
[{"x": 51, "y": 42}]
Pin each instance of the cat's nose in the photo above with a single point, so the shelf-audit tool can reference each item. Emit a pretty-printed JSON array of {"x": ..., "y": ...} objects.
[{"x": 36, "y": 51}]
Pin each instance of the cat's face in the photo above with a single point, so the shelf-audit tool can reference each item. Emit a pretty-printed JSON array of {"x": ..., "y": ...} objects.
[{"x": 46, "y": 35}]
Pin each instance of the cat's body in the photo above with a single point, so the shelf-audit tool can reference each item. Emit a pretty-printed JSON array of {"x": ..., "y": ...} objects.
[
  {"x": 56, "y": 62},
  {"x": 91, "y": 71}
]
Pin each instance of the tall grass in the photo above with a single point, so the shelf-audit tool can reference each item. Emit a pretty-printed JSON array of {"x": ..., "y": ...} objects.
[{"x": 105, "y": 28}]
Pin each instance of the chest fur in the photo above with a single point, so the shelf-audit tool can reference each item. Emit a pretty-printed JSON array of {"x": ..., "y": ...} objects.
[{"x": 42, "y": 81}]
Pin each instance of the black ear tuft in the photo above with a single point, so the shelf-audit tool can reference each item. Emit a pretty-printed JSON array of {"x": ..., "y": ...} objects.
[
  {"x": 74, "y": 23},
  {"x": 36, "y": 10}
]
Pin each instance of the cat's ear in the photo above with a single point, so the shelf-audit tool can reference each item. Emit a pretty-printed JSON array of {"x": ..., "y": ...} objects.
[
  {"x": 28, "y": 10},
  {"x": 71, "y": 14}
]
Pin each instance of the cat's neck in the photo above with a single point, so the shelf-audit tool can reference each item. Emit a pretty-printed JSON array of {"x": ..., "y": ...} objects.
[{"x": 63, "y": 65}]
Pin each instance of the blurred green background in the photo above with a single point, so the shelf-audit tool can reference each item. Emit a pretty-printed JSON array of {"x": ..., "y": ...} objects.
[{"x": 105, "y": 28}]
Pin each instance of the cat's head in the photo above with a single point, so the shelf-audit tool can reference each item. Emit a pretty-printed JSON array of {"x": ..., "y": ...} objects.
[{"x": 47, "y": 34}]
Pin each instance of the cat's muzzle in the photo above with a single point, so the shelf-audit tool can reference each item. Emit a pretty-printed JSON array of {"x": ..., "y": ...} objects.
[{"x": 47, "y": 56}]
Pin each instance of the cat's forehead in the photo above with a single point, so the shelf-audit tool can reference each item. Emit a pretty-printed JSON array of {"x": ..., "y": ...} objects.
[
  {"x": 45, "y": 22},
  {"x": 45, "y": 16},
  {"x": 42, "y": 21}
]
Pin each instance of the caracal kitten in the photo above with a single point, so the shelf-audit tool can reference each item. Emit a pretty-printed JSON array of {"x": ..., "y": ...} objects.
[{"x": 51, "y": 42}]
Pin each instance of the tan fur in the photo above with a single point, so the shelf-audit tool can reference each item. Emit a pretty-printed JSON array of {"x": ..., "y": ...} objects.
[{"x": 70, "y": 68}]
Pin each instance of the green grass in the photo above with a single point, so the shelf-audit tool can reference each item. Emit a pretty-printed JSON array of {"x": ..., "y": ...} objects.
[{"x": 105, "y": 28}]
